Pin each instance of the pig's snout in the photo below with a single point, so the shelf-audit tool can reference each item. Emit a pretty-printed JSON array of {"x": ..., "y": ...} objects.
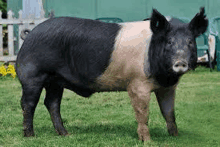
[{"x": 180, "y": 67}]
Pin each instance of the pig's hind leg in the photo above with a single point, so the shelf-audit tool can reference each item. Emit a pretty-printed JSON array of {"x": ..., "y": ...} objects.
[{"x": 52, "y": 101}]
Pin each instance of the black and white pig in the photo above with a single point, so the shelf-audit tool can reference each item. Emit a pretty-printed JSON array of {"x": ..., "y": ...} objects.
[{"x": 88, "y": 56}]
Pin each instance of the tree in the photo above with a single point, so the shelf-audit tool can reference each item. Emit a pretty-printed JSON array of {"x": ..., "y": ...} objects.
[{"x": 3, "y": 8}]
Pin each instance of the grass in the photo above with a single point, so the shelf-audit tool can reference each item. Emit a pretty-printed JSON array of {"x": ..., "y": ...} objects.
[{"x": 107, "y": 119}]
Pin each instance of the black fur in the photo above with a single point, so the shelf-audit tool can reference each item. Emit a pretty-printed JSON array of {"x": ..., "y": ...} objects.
[
  {"x": 82, "y": 46},
  {"x": 162, "y": 50},
  {"x": 158, "y": 24},
  {"x": 199, "y": 23}
]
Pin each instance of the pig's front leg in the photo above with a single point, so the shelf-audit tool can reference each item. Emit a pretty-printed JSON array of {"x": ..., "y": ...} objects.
[
  {"x": 165, "y": 98},
  {"x": 139, "y": 93}
]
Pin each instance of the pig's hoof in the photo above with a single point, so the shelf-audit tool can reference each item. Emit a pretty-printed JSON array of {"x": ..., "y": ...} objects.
[
  {"x": 172, "y": 129},
  {"x": 62, "y": 132},
  {"x": 65, "y": 134},
  {"x": 173, "y": 132},
  {"x": 144, "y": 138},
  {"x": 28, "y": 133},
  {"x": 143, "y": 132}
]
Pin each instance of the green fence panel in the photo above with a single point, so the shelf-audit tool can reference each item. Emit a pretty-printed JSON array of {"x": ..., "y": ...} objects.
[
  {"x": 74, "y": 8},
  {"x": 127, "y": 10},
  {"x": 176, "y": 8}
]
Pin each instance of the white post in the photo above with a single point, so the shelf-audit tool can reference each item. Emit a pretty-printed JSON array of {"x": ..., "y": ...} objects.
[
  {"x": 42, "y": 13},
  {"x": 21, "y": 27},
  {"x": 10, "y": 34},
  {"x": 1, "y": 36}
]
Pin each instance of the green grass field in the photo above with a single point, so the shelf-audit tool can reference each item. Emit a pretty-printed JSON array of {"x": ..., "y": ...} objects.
[{"x": 107, "y": 119}]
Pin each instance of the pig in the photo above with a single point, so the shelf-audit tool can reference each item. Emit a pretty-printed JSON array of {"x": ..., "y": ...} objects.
[{"x": 88, "y": 56}]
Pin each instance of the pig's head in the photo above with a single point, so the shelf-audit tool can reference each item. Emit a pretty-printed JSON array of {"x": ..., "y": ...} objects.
[{"x": 173, "y": 50}]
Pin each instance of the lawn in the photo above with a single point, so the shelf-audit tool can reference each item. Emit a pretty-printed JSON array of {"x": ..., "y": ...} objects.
[{"x": 107, "y": 119}]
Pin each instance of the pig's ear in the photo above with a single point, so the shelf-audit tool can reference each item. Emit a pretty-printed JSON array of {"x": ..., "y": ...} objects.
[
  {"x": 199, "y": 23},
  {"x": 158, "y": 23}
]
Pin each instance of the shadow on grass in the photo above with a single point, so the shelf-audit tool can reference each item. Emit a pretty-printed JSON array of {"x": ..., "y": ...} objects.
[
  {"x": 124, "y": 130},
  {"x": 111, "y": 131},
  {"x": 185, "y": 137}
]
